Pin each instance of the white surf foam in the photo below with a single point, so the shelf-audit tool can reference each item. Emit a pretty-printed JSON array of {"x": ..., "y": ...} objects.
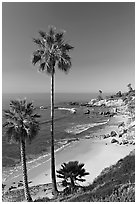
[{"x": 81, "y": 128}]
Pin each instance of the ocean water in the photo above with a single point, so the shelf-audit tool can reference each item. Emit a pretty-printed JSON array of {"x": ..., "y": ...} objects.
[
  {"x": 67, "y": 125},
  {"x": 44, "y": 98}
]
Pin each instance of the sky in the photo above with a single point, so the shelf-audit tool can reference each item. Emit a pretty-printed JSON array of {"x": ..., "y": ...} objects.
[{"x": 103, "y": 36}]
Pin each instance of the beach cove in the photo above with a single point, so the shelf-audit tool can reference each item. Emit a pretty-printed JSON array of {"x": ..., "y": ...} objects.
[{"x": 94, "y": 151}]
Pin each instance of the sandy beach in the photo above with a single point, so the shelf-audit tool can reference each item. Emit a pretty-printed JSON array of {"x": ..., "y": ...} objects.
[{"x": 95, "y": 153}]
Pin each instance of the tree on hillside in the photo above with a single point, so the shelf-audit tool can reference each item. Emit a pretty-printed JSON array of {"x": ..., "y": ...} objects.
[
  {"x": 119, "y": 94},
  {"x": 71, "y": 172},
  {"x": 52, "y": 52},
  {"x": 130, "y": 87},
  {"x": 21, "y": 126},
  {"x": 100, "y": 95}
]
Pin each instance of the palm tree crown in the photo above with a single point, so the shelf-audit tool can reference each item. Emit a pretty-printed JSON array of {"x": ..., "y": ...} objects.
[
  {"x": 71, "y": 172},
  {"x": 52, "y": 50},
  {"x": 21, "y": 121}
]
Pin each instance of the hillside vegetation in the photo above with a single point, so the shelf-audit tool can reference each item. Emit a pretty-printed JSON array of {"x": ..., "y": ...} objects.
[{"x": 114, "y": 184}]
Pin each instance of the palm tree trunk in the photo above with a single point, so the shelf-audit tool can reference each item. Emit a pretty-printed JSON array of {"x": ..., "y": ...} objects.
[
  {"x": 24, "y": 171},
  {"x": 53, "y": 175},
  {"x": 72, "y": 184}
]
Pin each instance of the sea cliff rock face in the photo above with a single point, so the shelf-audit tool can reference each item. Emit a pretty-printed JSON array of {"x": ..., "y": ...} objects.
[{"x": 107, "y": 103}]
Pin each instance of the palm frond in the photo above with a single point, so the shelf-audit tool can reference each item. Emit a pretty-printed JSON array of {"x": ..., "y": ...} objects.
[
  {"x": 5, "y": 124},
  {"x": 49, "y": 70},
  {"x": 29, "y": 105},
  {"x": 64, "y": 65},
  {"x": 81, "y": 180},
  {"x": 36, "y": 59},
  {"x": 38, "y": 52},
  {"x": 60, "y": 176},
  {"x": 51, "y": 31},
  {"x": 37, "y": 41},
  {"x": 33, "y": 130},
  {"x": 42, "y": 34},
  {"x": 12, "y": 135},
  {"x": 49, "y": 41},
  {"x": 9, "y": 113},
  {"x": 66, "y": 47},
  {"x": 42, "y": 67},
  {"x": 59, "y": 37},
  {"x": 80, "y": 166},
  {"x": 14, "y": 105}
]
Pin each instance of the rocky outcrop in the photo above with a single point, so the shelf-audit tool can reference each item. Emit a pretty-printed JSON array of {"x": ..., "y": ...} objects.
[
  {"x": 113, "y": 134},
  {"x": 87, "y": 137},
  {"x": 106, "y": 102},
  {"x": 114, "y": 141},
  {"x": 120, "y": 135},
  {"x": 107, "y": 113},
  {"x": 72, "y": 140},
  {"x": 74, "y": 103},
  {"x": 119, "y": 94},
  {"x": 12, "y": 187},
  {"x": 122, "y": 124},
  {"x": 92, "y": 102},
  {"x": 106, "y": 136},
  {"x": 124, "y": 142},
  {"x": 87, "y": 112}
]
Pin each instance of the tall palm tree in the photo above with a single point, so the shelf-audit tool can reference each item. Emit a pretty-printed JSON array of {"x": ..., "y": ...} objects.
[
  {"x": 52, "y": 51},
  {"x": 21, "y": 126}
]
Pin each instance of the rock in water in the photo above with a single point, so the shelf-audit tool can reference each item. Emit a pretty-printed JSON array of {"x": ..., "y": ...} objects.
[
  {"x": 87, "y": 137},
  {"x": 114, "y": 141},
  {"x": 106, "y": 136},
  {"x": 113, "y": 133},
  {"x": 121, "y": 125},
  {"x": 120, "y": 135},
  {"x": 87, "y": 112},
  {"x": 125, "y": 142}
]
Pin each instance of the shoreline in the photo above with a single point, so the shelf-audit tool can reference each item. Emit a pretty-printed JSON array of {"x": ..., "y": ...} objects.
[
  {"x": 82, "y": 128},
  {"x": 61, "y": 144}
]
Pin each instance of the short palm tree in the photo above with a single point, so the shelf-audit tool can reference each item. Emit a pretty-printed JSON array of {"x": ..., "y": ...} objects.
[
  {"x": 21, "y": 126},
  {"x": 130, "y": 87},
  {"x": 72, "y": 172},
  {"x": 52, "y": 52},
  {"x": 100, "y": 95}
]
